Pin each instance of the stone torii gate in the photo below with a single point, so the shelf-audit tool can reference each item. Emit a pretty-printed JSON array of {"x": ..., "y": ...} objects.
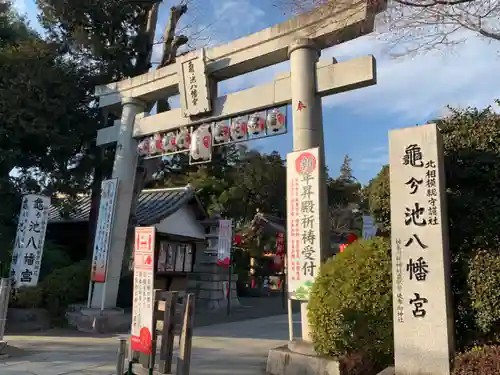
[{"x": 300, "y": 39}]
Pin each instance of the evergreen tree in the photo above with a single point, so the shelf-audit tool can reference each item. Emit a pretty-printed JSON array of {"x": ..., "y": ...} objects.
[{"x": 346, "y": 170}]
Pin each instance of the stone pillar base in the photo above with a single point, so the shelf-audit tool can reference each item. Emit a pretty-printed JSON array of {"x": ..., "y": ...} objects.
[
  {"x": 208, "y": 287},
  {"x": 299, "y": 358},
  {"x": 283, "y": 361},
  {"x": 97, "y": 321}
]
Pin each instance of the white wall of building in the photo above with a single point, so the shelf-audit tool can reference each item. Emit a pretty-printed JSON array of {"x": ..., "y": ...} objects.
[{"x": 182, "y": 223}]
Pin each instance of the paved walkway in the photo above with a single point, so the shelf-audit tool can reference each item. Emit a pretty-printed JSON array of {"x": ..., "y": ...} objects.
[{"x": 238, "y": 348}]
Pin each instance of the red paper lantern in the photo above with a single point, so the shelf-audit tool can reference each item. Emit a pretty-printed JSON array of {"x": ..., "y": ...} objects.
[
  {"x": 351, "y": 238},
  {"x": 237, "y": 239}
]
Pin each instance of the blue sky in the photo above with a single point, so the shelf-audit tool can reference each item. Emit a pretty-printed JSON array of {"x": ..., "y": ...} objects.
[{"x": 409, "y": 91}]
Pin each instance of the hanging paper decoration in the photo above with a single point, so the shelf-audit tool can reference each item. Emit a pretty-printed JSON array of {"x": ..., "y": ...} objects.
[
  {"x": 183, "y": 139},
  {"x": 169, "y": 144},
  {"x": 237, "y": 239},
  {"x": 351, "y": 238},
  {"x": 221, "y": 132},
  {"x": 239, "y": 128},
  {"x": 143, "y": 147},
  {"x": 156, "y": 144},
  {"x": 256, "y": 123},
  {"x": 201, "y": 145},
  {"x": 276, "y": 120}
]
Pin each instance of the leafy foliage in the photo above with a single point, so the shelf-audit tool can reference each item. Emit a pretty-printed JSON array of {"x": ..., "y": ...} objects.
[
  {"x": 350, "y": 309},
  {"x": 46, "y": 123},
  {"x": 484, "y": 281},
  {"x": 346, "y": 170},
  {"x": 27, "y": 298},
  {"x": 54, "y": 257},
  {"x": 478, "y": 361},
  {"x": 65, "y": 286},
  {"x": 109, "y": 33},
  {"x": 471, "y": 140},
  {"x": 61, "y": 287},
  {"x": 379, "y": 198}
]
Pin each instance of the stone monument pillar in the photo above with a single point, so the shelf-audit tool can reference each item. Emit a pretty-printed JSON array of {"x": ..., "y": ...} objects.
[
  {"x": 423, "y": 318},
  {"x": 308, "y": 130},
  {"x": 209, "y": 281}
]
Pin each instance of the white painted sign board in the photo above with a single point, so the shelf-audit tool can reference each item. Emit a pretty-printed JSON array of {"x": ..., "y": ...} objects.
[
  {"x": 225, "y": 237},
  {"x": 303, "y": 223},
  {"x": 103, "y": 230},
  {"x": 30, "y": 238},
  {"x": 143, "y": 297},
  {"x": 420, "y": 258}
]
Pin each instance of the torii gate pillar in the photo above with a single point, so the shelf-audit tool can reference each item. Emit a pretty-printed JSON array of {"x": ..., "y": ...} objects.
[
  {"x": 124, "y": 168},
  {"x": 308, "y": 130}
]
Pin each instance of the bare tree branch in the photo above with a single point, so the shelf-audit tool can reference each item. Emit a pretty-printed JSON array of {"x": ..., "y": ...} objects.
[{"x": 412, "y": 26}]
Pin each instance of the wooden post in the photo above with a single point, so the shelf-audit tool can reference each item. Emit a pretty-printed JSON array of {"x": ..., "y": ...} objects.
[
  {"x": 167, "y": 334},
  {"x": 184, "y": 359}
]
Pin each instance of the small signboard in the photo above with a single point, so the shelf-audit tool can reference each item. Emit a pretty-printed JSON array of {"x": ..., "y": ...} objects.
[
  {"x": 30, "y": 238},
  {"x": 107, "y": 204},
  {"x": 303, "y": 224},
  {"x": 143, "y": 297},
  {"x": 225, "y": 237},
  {"x": 369, "y": 227}
]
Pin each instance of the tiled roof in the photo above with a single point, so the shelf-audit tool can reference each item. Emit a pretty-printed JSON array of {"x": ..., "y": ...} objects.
[{"x": 154, "y": 205}]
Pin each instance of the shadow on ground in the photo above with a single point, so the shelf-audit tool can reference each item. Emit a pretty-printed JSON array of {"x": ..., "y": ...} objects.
[{"x": 238, "y": 348}]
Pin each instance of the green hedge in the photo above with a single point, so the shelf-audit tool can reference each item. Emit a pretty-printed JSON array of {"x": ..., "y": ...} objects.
[
  {"x": 350, "y": 309},
  {"x": 484, "y": 284},
  {"x": 62, "y": 287}
]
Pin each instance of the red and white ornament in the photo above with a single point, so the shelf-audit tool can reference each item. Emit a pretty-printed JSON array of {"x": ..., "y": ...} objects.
[
  {"x": 143, "y": 146},
  {"x": 156, "y": 144},
  {"x": 238, "y": 128},
  {"x": 201, "y": 145},
  {"x": 256, "y": 123},
  {"x": 169, "y": 143},
  {"x": 275, "y": 120},
  {"x": 183, "y": 139},
  {"x": 221, "y": 132}
]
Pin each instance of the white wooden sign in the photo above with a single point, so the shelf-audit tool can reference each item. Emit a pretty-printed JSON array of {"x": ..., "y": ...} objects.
[
  {"x": 303, "y": 224},
  {"x": 193, "y": 85},
  {"x": 103, "y": 230},
  {"x": 225, "y": 238},
  {"x": 30, "y": 238},
  {"x": 143, "y": 296}
]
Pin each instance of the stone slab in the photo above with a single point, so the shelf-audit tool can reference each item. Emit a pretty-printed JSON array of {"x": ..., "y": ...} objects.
[
  {"x": 97, "y": 321},
  {"x": 387, "y": 371},
  {"x": 283, "y": 361},
  {"x": 423, "y": 309}
]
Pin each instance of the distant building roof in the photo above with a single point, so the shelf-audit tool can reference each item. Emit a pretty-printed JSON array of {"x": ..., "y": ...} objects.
[
  {"x": 272, "y": 223},
  {"x": 277, "y": 224},
  {"x": 154, "y": 205}
]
